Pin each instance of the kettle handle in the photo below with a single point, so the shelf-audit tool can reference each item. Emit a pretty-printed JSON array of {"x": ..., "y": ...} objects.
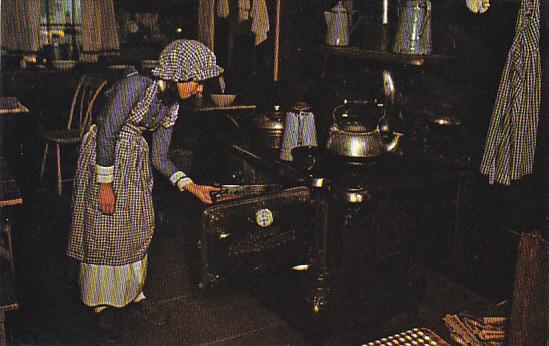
[
  {"x": 426, "y": 18},
  {"x": 335, "y": 109},
  {"x": 345, "y": 103},
  {"x": 354, "y": 25}
]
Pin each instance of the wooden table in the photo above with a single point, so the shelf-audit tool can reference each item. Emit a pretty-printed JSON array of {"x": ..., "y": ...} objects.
[
  {"x": 10, "y": 195},
  {"x": 10, "y": 105},
  {"x": 9, "y": 108}
]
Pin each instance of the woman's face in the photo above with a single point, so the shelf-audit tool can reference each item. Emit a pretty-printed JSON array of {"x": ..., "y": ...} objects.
[{"x": 188, "y": 89}]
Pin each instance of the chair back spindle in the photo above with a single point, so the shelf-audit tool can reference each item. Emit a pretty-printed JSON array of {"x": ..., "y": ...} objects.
[{"x": 84, "y": 97}]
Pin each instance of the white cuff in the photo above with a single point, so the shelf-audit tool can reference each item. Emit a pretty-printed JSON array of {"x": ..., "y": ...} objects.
[
  {"x": 182, "y": 183},
  {"x": 104, "y": 174},
  {"x": 180, "y": 180}
]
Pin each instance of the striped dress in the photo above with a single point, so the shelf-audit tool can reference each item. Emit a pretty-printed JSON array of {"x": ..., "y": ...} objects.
[
  {"x": 511, "y": 138},
  {"x": 113, "y": 248}
]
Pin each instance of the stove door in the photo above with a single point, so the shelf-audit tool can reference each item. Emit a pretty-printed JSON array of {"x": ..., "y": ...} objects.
[{"x": 247, "y": 235}]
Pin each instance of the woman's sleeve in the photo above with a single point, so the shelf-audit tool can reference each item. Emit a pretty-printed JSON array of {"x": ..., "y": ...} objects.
[
  {"x": 160, "y": 148},
  {"x": 109, "y": 123}
]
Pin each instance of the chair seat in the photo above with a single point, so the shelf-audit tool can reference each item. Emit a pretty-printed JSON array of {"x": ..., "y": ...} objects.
[{"x": 63, "y": 136}]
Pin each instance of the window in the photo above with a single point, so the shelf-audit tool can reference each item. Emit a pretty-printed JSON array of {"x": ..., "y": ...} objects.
[{"x": 60, "y": 28}]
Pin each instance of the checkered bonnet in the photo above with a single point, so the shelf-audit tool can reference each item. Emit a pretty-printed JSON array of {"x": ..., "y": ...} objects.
[{"x": 186, "y": 60}]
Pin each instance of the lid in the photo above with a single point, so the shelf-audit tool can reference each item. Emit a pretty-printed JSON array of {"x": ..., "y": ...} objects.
[
  {"x": 354, "y": 127},
  {"x": 301, "y": 106},
  {"x": 271, "y": 121},
  {"x": 339, "y": 8}
]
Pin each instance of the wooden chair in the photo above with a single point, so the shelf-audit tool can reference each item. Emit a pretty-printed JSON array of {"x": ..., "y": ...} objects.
[{"x": 83, "y": 100}]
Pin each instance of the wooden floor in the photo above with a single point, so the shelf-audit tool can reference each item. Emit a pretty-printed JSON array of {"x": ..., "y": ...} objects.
[{"x": 246, "y": 314}]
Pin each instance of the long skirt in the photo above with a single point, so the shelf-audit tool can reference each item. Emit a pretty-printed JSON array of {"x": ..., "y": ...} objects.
[
  {"x": 112, "y": 285},
  {"x": 124, "y": 236}
]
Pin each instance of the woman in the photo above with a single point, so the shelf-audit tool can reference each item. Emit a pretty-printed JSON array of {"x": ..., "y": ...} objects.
[{"x": 113, "y": 216}]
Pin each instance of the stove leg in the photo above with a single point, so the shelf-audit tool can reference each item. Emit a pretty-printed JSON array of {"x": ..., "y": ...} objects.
[{"x": 318, "y": 297}]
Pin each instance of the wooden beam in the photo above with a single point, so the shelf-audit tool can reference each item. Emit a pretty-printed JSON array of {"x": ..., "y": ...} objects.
[{"x": 276, "y": 42}]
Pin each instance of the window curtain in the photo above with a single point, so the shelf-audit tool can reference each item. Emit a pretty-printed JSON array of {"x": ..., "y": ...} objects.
[
  {"x": 99, "y": 33},
  {"x": 20, "y": 26}
]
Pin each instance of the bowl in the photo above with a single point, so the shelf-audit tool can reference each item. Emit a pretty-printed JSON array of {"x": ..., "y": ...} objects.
[
  {"x": 63, "y": 64},
  {"x": 223, "y": 100}
]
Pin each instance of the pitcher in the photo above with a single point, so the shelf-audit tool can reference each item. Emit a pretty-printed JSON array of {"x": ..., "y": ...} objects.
[
  {"x": 413, "y": 35},
  {"x": 338, "y": 27}
]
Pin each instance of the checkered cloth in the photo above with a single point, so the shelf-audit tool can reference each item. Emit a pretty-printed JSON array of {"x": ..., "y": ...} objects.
[
  {"x": 511, "y": 139},
  {"x": 123, "y": 237},
  {"x": 186, "y": 60}
]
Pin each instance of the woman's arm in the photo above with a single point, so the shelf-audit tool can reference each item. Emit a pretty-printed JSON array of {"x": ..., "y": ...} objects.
[
  {"x": 160, "y": 149},
  {"x": 110, "y": 121}
]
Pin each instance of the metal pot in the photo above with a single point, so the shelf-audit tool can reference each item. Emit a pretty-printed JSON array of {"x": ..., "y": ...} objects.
[
  {"x": 356, "y": 139},
  {"x": 269, "y": 128}
]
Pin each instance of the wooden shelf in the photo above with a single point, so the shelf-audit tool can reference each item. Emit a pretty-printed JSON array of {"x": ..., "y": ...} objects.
[
  {"x": 210, "y": 108},
  {"x": 10, "y": 105},
  {"x": 384, "y": 57}
]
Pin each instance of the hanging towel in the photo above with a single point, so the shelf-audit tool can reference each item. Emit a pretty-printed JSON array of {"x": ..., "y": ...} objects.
[
  {"x": 243, "y": 10},
  {"x": 511, "y": 138},
  {"x": 222, "y": 8},
  {"x": 260, "y": 21}
]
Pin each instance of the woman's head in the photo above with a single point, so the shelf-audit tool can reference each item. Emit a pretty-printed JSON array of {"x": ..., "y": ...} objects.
[
  {"x": 170, "y": 92},
  {"x": 187, "y": 63}
]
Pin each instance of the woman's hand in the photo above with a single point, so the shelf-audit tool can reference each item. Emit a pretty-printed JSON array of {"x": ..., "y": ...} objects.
[
  {"x": 202, "y": 192},
  {"x": 106, "y": 198}
]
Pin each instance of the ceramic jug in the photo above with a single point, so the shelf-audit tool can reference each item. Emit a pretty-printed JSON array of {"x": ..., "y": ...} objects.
[
  {"x": 338, "y": 25},
  {"x": 413, "y": 35}
]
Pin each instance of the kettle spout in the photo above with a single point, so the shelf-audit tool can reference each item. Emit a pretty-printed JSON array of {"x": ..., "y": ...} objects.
[{"x": 391, "y": 146}]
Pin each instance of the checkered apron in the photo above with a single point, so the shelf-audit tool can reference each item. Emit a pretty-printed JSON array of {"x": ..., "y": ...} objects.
[
  {"x": 511, "y": 138},
  {"x": 123, "y": 237}
]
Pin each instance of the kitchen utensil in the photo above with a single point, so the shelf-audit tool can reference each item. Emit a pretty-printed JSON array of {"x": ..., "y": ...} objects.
[
  {"x": 299, "y": 130},
  {"x": 306, "y": 157},
  {"x": 339, "y": 25},
  {"x": 269, "y": 128},
  {"x": 357, "y": 137},
  {"x": 223, "y": 100},
  {"x": 413, "y": 34}
]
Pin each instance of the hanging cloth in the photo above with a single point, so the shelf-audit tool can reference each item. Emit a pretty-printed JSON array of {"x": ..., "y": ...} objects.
[
  {"x": 511, "y": 138},
  {"x": 99, "y": 33},
  {"x": 260, "y": 21},
  {"x": 20, "y": 26},
  {"x": 243, "y": 10},
  {"x": 222, "y": 8}
]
